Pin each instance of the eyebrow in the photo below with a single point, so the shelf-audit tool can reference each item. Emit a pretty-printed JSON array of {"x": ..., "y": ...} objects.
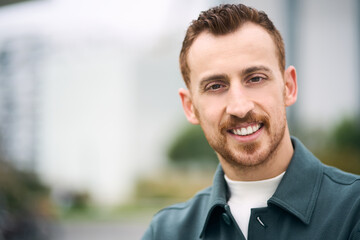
[
  {"x": 249, "y": 70},
  {"x": 213, "y": 77}
]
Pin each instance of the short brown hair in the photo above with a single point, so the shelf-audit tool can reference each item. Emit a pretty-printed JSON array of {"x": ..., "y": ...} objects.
[{"x": 225, "y": 19}]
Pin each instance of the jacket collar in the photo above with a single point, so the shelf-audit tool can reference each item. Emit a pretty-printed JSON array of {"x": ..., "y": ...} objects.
[
  {"x": 218, "y": 196},
  {"x": 300, "y": 186},
  {"x": 296, "y": 193}
]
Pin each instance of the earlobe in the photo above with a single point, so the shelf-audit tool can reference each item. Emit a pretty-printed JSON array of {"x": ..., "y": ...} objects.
[
  {"x": 188, "y": 106},
  {"x": 290, "y": 86}
]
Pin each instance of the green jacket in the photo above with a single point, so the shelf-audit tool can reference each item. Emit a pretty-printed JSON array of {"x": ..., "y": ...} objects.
[{"x": 313, "y": 201}]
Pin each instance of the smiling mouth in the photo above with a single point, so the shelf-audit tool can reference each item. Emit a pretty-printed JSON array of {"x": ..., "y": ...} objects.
[{"x": 245, "y": 131}]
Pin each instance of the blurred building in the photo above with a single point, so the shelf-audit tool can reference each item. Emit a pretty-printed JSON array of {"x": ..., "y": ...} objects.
[
  {"x": 18, "y": 99},
  {"x": 18, "y": 107},
  {"x": 89, "y": 90}
]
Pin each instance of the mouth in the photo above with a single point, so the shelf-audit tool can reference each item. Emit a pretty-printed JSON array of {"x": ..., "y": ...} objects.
[{"x": 246, "y": 130}]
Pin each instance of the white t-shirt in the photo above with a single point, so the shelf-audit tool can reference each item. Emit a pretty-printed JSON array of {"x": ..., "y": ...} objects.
[{"x": 245, "y": 195}]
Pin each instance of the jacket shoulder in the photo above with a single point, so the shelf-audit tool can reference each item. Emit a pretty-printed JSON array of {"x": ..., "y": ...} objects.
[
  {"x": 180, "y": 221},
  {"x": 341, "y": 177},
  {"x": 200, "y": 198}
]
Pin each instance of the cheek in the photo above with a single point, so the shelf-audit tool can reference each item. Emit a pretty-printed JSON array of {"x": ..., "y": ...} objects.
[
  {"x": 277, "y": 96},
  {"x": 272, "y": 102},
  {"x": 277, "y": 109},
  {"x": 209, "y": 117},
  {"x": 210, "y": 112},
  {"x": 270, "y": 94}
]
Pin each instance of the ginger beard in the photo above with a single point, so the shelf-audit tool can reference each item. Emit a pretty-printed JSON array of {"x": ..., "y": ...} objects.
[{"x": 246, "y": 155}]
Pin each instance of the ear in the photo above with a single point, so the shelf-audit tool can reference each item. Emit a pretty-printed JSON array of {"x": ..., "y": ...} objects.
[
  {"x": 290, "y": 86},
  {"x": 188, "y": 106}
]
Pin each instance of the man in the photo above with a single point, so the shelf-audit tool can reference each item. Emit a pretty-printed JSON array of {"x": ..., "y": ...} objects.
[{"x": 268, "y": 185}]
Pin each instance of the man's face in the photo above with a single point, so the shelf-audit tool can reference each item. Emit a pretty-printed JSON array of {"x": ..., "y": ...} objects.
[{"x": 238, "y": 94}]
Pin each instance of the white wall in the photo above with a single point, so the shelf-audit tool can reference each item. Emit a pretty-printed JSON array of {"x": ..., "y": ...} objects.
[{"x": 328, "y": 63}]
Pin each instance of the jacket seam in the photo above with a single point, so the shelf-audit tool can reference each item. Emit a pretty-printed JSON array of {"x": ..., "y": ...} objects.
[
  {"x": 341, "y": 182},
  {"x": 185, "y": 205},
  {"x": 315, "y": 194}
]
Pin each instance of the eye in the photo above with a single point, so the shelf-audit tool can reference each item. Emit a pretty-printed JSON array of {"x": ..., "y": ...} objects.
[
  {"x": 213, "y": 87},
  {"x": 256, "y": 79}
]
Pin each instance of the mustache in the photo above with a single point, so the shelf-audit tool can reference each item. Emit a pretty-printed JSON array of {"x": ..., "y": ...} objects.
[{"x": 251, "y": 117}]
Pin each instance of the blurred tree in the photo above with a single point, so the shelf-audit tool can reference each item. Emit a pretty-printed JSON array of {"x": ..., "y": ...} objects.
[
  {"x": 80, "y": 201},
  {"x": 343, "y": 147},
  {"x": 25, "y": 209},
  {"x": 18, "y": 188},
  {"x": 191, "y": 146},
  {"x": 346, "y": 135}
]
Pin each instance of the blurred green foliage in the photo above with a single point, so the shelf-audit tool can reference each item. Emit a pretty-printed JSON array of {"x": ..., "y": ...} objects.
[
  {"x": 346, "y": 135},
  {"x": 179, "y": 184},
  {"x": 80, "y": 201},
  {"x": 191, "y": 146},
  {"x": 342, "y": 149},
  {"x": 26, "y": 210},
  {"x": 20, "y": 190},
  {"x": 171, "y": 185}
]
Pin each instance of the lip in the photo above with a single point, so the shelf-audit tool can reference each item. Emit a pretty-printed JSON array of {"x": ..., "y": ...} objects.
[{"x": 248, "y": 138}]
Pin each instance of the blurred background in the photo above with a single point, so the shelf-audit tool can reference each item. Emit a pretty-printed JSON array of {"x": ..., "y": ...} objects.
[{"x": 93, "y": 140}]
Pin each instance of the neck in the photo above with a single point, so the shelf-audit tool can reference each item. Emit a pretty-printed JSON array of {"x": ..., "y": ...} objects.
[{"x": 274, "y": 165}]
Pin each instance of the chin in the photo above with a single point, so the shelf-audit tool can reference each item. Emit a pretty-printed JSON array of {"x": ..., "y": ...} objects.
[
  {"x": 249, "y": 161},
  {"x": 250, "y": 156}
]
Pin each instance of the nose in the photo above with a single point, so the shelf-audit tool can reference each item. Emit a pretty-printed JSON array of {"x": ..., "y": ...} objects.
[{"x": 238, "y": 103}]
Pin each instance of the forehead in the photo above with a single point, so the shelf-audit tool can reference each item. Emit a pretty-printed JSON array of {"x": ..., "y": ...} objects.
[{"x": 250, "y": 44}]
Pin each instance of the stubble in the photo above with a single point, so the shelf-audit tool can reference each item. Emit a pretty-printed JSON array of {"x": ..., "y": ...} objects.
[{"x": 246, "y": 155}]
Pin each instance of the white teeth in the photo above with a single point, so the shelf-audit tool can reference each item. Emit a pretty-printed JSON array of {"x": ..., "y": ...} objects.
[
  {"x": 246, "y": 131},
  {"x": 255, "y": 128},
  {"x": 249, "y": 130}
]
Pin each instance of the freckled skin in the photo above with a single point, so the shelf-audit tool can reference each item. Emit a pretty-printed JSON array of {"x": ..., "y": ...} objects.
[{"x": 235, "y": 81}]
